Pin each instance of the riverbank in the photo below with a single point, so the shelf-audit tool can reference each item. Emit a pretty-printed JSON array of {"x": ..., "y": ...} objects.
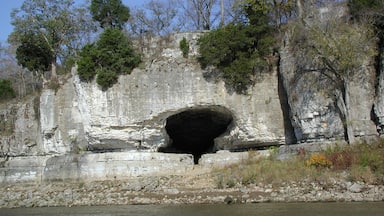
[
  {"x": 337, "y": 174},
  {"x": 199, "y": 189}
]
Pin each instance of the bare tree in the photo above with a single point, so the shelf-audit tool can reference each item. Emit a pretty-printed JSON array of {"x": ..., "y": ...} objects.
[
  {"x": 155, "y": 17},
  {"x": 23, "y": 82},
  {"x": 337, "y": 50},
  {"x": 200, "y": 14}
]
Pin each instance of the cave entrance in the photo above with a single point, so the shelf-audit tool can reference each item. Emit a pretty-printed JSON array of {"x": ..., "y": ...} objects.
[{"x": 193, "y": 131}]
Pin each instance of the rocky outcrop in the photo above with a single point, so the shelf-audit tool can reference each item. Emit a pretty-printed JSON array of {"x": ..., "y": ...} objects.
[
  {"x": 132, "y": 116},
  {"x": 171, "y": 105},
  {"x": 20, "y": 129},
  {"x": 314, "y": 113},
  {"x": 379, "y": 102}
]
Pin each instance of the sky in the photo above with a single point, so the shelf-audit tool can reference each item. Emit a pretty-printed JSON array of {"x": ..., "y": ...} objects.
[{"x": 6, "y": 7}]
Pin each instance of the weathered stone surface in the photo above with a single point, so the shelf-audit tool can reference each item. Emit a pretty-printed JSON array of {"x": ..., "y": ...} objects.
[
  {"x": 132, "y": 114},
  {"x": 225, "y": 157},
  {"x": 313, "y": 111},
  {"x": 94, "y": 166},
  {"x": 22, "y": 169},
  {"x": 19, "y": 130},
  {"x": 379, "y": 100},
  {"x": 313, "y": 114},
  {"x": 63, "y": 130},
  {"x": 104, "y": 166}
]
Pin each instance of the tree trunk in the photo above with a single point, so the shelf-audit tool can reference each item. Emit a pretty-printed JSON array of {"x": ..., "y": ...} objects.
[
  {"x": 300, "y": 10},
  {"x": 343, "y": 103},
  {"x": 222, "y": 12},
  {"x": 23, "y": 86},
  {"x": 53, "y": 71}
]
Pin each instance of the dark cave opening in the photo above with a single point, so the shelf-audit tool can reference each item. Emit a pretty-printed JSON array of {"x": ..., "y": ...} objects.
[{"x": 193, "y": 131}]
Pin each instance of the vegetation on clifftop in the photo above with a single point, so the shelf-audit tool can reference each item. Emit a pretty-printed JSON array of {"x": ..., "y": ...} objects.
[
  {"x": 109, "y": 57},
  {"x": 242, "y": 42},
  {"x": 6, "y": 90},
  {"x": 241, "y": 49},
  {"x": 113, "y": 53}
]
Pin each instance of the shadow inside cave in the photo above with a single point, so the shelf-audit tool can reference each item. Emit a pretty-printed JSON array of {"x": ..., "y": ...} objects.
[{"x": 193, "y": 131}]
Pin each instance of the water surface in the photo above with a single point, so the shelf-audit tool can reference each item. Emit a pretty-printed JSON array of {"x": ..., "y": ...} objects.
[{"x": 270, "y": 209}]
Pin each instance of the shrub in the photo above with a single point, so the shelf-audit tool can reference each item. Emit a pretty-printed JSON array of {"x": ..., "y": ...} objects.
[
  {"x": 87, "y": 63},
  {"x": 106, "y": 78},
  {"x": 372, "y": 156},
  {"x": 364, "y": 162},
  {"x": 6, "y": 90},
  {"x": 111, "y": 56},
  {"x": 238, "y": 51},
  {"x": 342, "y": 160},
  {"x": 318, "y": 161},
  {"x": 184, "y": 47}
]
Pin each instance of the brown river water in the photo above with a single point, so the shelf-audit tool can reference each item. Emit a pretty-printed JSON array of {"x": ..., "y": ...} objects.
[{"x": 260, "y": 209}]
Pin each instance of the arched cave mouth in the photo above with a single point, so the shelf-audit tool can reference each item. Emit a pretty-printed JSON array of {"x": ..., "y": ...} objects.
[{"x": 193, "y": 131}]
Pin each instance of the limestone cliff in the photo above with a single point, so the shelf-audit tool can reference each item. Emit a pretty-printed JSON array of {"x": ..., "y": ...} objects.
[
  {"x": 132, "y": 115},
  {"x": 379, "y": 101},
  {"x": 170, "y": 104},
  {"x": 311, "y": 95}
]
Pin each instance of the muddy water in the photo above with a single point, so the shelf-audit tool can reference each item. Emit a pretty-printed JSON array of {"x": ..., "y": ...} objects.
[{"x": 270, "y": 209}]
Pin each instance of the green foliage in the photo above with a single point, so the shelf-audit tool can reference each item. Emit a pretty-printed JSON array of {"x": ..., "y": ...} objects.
[
  {"x": 110, "y": 14},
  {"x": 6, "y": 90},
  {"x": 106, "y": 78},
  {"x": 116, "y": 52},
  {"x": 46, "y": 28},
  {"x": 238, "y": 51},
  {"x": 34, "y": 53},
  {"x": 87, "y": 63},
  {"x": 49, "y": 30},
  {"x": 109, "y": 57},
  {"x": 184, "y": 47}
]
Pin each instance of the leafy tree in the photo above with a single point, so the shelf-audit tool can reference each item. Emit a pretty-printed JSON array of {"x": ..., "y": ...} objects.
[
  {"x": 239, "y": 50},
  {"x": 110, "y": 56},
  {"x": 116, "y": 51},
  {"x": 110, "y": 13},
  {"x": 6, "y": 90},
  {"x": 22, "y": 80},
  {"x": 34, "y": 53},
  {"x": 87, "y": 63},
  {"x": 54, "y": 25}
]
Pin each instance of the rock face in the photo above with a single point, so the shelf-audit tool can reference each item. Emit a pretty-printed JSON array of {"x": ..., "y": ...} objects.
[
  {"x": 142, "y": 112},
  {"x": 314, "y": 114},
  {"x": 171, "y": 105},
  {"x": 379, "y": 102}
]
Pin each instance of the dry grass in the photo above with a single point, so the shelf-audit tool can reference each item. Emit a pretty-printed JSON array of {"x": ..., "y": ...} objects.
[{"x": 363, "y": 162}]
